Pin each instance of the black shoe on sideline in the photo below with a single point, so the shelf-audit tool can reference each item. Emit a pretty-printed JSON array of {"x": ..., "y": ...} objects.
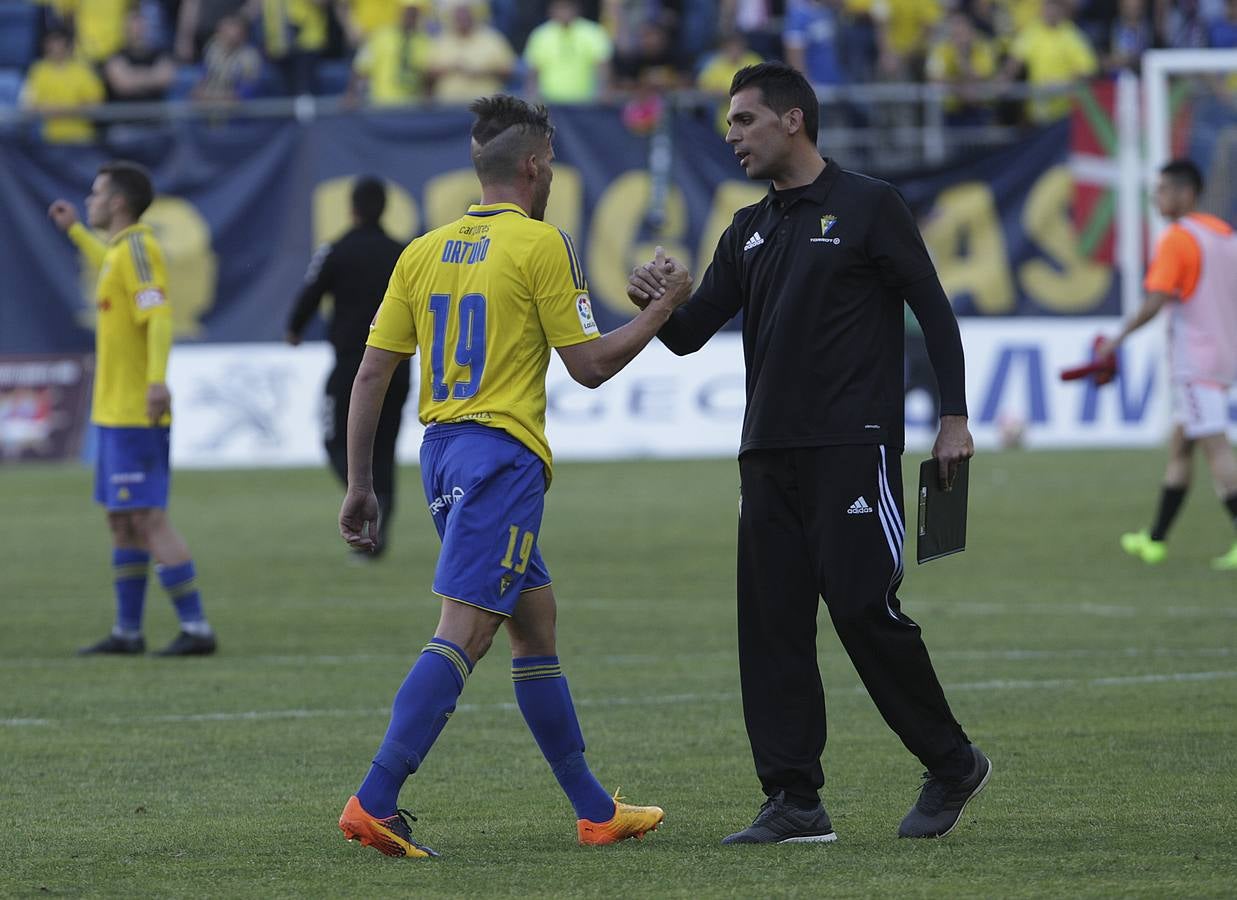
[
  {"x": 942, "y": 800},
  {"x": 186, "y": 644},
  {"x": 116, "y": 645},
  {"x": 781, "y": 822}
]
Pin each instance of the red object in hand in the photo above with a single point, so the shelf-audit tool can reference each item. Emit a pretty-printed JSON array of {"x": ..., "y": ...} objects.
[{"x": 1101, "y": 370}]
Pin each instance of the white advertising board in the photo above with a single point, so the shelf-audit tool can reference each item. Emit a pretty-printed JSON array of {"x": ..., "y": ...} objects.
[{"x": 261, "y": 404}]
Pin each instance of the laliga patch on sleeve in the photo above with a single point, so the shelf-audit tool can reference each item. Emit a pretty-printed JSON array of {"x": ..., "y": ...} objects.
[
  {"x": 584, "y": 310},
  {"x": 150, "y": 298}
]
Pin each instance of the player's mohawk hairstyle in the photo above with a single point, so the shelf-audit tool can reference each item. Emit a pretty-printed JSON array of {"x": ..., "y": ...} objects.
[
  {"x": 499, "y": 112},
  {"x": 505, "y": 129}
]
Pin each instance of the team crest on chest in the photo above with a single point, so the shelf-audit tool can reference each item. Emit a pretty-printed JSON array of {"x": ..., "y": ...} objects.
[{"x": 826, "y": 225}]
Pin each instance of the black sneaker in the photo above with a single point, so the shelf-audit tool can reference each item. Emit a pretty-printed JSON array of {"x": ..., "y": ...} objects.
[
  {"x": 942, "y": 800},
  {"x": 115, "y": 644},
  {"x": 186, "y": 644},
  {"x": 781, "y": 822}
]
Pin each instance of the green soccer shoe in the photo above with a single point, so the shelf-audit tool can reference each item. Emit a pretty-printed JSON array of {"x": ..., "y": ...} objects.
[
  {"x": 1139, "y": 544},
  {"x": 1227, "y": 562}
]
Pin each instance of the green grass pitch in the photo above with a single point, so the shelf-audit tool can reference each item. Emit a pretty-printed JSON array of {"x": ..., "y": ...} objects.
[{"x": 1104, "y": 691}]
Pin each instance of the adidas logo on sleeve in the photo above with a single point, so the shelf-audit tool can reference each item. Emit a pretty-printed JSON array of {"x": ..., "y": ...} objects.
[{"x": 859, "y": 507}]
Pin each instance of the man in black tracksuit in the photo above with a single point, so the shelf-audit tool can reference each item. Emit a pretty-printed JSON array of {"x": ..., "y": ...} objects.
[
  {"x": 355, "y": 271},
  {"x": 820, "y": 269}
]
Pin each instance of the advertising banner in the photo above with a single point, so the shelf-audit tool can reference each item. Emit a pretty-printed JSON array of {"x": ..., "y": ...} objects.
[
  {"x": 242, "y": 206},
  {"x": 44, "y": 404},
  {"x": 260, "y": 405}
]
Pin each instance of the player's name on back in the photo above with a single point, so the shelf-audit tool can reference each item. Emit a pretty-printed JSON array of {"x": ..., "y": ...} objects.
[{"x": 466, "y": 252}]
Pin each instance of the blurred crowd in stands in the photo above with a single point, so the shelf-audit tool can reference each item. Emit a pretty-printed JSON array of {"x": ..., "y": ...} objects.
[{"x": 57, "y": 55}]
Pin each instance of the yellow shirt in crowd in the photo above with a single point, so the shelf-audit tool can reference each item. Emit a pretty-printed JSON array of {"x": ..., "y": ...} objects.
[
  {"x": 944, "y": 64},
  {"x": 370, "y": 15},
  {"x": 716, "y": 76},
  {"x": 98, "y": 25},
  {"x": 395, "y": 62},
  {"x": 1052, "y": 56},
  {"x": 483, "y": 50},
  {"x": 64, "y": 86},
  {"x": 566, "y": 59},
  {"x": 908, "y": 23},
  {"x": 306, "y": 19}
]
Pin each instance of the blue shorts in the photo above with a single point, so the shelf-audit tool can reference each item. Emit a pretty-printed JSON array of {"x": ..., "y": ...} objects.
[
  {"x": 131, "y": 471},
  {"x": 486, "y": 492}
]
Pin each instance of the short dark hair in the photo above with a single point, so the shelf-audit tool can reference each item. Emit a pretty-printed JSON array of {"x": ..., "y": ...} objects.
[
  {"x": 506, "y": 130},
  {"x": 132, "y": 182},
  {"x": 369, "y": 199},
  {"x": 783, "y": 88},
  {"x": 1184, "y": 172}
]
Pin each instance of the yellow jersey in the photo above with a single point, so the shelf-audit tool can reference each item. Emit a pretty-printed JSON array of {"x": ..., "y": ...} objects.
[
  {"x": 484, "y": 299},
  {"x": 131, "y": 292}
]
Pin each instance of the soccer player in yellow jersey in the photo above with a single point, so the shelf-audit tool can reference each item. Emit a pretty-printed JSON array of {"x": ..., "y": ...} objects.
[
  {"x": 482, "y": 301},
  {"x": 132, "y": 408}
]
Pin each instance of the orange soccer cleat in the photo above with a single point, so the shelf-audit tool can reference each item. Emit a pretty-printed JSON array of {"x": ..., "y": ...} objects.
[
  {"x": 391, "y": 836},
  {"x": 627, "y": 822}
]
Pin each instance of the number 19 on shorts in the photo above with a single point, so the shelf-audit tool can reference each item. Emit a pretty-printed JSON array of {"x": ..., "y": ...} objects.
[{"x": 519, "y": 566}]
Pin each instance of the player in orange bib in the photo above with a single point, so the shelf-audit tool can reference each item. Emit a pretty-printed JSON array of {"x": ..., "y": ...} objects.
[{"x": 1193, "y": 276}]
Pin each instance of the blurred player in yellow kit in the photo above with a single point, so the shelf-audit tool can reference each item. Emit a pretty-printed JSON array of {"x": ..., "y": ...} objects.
[{"x": 132, "y": 408}]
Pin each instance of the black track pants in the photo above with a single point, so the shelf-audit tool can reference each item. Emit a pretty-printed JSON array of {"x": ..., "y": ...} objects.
[
  {"x": 827, "y": 522},
  {"x": 335, "y": 429}
]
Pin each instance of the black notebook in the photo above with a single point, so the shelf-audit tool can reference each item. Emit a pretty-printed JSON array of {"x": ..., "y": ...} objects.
[{"x": 942, "y": 514}]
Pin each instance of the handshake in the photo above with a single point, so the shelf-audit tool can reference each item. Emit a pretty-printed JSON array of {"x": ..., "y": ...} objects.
[{"x": 663, "y": 280}]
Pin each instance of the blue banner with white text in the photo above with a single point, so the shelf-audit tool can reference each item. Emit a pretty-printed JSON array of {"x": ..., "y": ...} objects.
[{"x": 242, "y": 206}]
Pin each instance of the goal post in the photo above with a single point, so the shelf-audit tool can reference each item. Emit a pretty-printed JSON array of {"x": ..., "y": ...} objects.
[{"x": 1217, "y": 86}]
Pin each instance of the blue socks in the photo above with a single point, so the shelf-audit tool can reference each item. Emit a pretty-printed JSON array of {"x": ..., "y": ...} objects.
[
  {"x": 129, "y": 569},
  {"x": 181, "y": 585},
  {"x": 542, "y": 695},
  {"x": 422, "y": 706},
  {"x": 426, "y": 700}
]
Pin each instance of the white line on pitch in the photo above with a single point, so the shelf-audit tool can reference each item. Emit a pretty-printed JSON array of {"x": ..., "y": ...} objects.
[
  {"x": 654, "y": 700},
  {"x": 619, "y": 659},
  {"x": 913, "y": 607}
]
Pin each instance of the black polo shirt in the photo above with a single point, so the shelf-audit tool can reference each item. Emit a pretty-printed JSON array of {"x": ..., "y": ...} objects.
[
  {"x": 355, "y": 271},
  {"x": 818, "y": 273}
]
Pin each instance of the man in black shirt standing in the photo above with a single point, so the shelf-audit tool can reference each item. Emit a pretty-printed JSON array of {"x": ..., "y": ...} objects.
[
  {"x": 139, "y": 71},
  {"x": 820, "y": 269},
  {"x": 355, "y": 271}
]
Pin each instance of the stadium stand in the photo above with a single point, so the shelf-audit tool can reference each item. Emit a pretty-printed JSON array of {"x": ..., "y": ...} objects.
[
  {"x": 10, "y": 86},
  {"x": 18, "y": 24}
]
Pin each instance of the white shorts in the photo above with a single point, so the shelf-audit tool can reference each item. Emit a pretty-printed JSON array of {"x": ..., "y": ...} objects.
[{"x": 1200, "y": 407}]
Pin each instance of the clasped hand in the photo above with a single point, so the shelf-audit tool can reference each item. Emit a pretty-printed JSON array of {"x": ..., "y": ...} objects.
[{"x": 662, "y": 279}]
